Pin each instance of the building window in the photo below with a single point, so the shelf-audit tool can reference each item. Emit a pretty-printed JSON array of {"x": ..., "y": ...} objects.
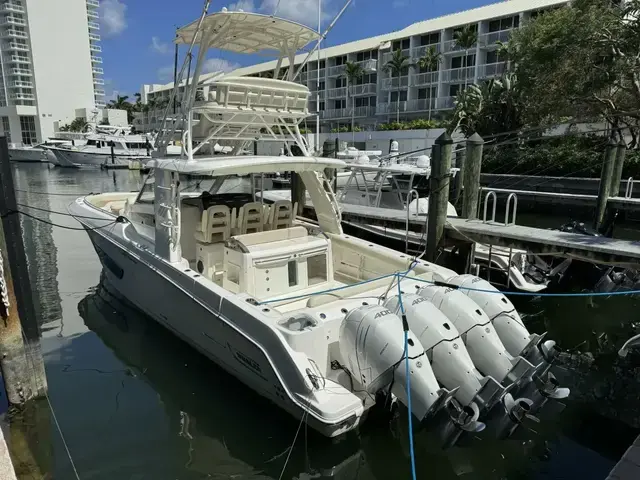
[
  {"x": 341, "y": 82},
  {"x": 322, "y": 85},
  {"x": 28, "y": 127},
  {"x": 403, "y": 96},
  {"x": 457, "y": 62},
  {"x": 341, "y": 60},
  {"x": 504, "y": 23},
  {"x": 453, "y": 90},
  {"x": 339, "y": 104},
  {"x": 6, "y": 128},
  {"x": 321, "y": 106},
  {"x": 322, "y": 63},
  {"x": 430, "y": 39},
  {"x": 401, "y": 44},
  {"x": 423, "y": 93}
]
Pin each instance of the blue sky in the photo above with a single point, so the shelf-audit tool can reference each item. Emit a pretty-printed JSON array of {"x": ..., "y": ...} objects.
[{"x": 137, "y": 34}]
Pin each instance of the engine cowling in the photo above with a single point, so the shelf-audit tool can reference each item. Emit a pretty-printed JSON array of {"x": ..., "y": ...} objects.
[
  {"x": 372, "y": 346},
  {"x": 479, "y": 335}
]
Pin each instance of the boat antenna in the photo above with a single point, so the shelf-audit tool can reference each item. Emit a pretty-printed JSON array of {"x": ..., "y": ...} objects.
[
  {"x": 162, "y": 137},
  {"x": 175, "y": 72},
  {"x": 318, "y": 79},
  {"x": 322, "y": 37},
  {"x": 275, "y": 11}
]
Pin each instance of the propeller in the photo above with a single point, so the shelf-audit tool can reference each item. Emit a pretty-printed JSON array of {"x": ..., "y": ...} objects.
[
  {"x": 551, "y": 387},
  {"x": 518, "y": 410},
  {"x": 548, "y": 350},
  {"x": 466, "y": 418}
]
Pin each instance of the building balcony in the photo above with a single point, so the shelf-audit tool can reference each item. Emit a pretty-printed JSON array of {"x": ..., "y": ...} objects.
[
  {"x": 21, "y": 47},
  {"x": 445, "y": 103},
  {"x": 420, "y": 105},
  {"x": 491, "y": 70},
  {"x": 13, "y": 33},
  {"x": 417, "y": 105},
  {"x": 95, "y": 48},
  {"x": 92, "y": 14},
  {"x": 358, "y": 112},
  {"x": 336, "y": 70},
  {"x": 98, "y": 92},
  {"x": 492, "y": 38},
  {"x": 11, "y": 7},
  {"x": 459, "y": 74},
  {"x": 98, "y": 81},
  {"x": 94, "y": 26},
  {"x": 392, "y": 83},
  {"x": 95, "y": 59},
  {"x": 419, "y": 52},
  {"x": 97, "y": 70},
  {"x": 364, "y": 89},
  {"x": 427, "y": 78},
  {"x": 18, "y": 59},
  {"x": 337, "y": 92},
  {"x": 387, "y": 56},
  {"x": 452, "y": 46},
  {"x": 100, "y": 103},
  {"x": 93, "y": 3},
  {"x": 94, "y": 37},
  {"x": 20, "y": 84},
  {"x": 392, "y": 107},
  {"x": 369, "y": 66},
  {"x": 11, "y": 20},
  {"x": 22, "y": 96},
  {"x": 23, "y": 72}
]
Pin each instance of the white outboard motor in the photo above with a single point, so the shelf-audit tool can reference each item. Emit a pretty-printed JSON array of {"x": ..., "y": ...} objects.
[
  {"x": 372, "y": 346},
  {"x": 449, "y": 358},
  {"x": 511, "y": 330},
  {"x": 483, "y": 343}
]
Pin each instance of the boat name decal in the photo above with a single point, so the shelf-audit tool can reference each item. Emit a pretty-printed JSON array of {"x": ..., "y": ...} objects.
[
  {"x": 418, "y": 300},
  {"x": 382, "y": 314},
  {"x": 247, "y": 362}
]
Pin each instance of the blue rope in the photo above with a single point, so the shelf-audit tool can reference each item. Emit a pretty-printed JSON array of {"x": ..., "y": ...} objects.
[{"x": 408, "y": 375}]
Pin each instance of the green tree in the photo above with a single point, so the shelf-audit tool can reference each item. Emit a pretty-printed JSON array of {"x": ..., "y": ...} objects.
[
  {"x": 581, "y": 61},
  {"x": 121, "y": 102},
  {"x": 352, "y": 72},
  {"x": 79, "y": 125},
  {"x": 430, "y": 62},
  {"x": 394, "y": 68},
  {"x": 466, "y": 38}
]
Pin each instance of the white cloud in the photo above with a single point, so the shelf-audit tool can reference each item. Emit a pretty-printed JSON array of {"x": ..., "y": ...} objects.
[
  {"x": 218, "y": 65},
  {"x": 159, "y": 46},
  {"x": 165, "y": 74},
  {"x": 113, "y": 17},
  {"x": 301, "y": 11}
]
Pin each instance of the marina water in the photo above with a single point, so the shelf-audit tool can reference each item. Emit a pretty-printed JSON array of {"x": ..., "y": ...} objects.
[{"x": 135, "y": 402}]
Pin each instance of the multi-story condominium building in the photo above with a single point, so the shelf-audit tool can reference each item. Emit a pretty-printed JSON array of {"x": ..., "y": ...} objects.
[
  {"x": 378, "y": 96},
  {"x": 49, "y": 65}
]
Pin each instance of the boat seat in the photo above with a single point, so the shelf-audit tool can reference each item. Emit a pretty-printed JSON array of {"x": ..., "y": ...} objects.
[
  {"x": 261, "y": 94},
  {"x": 250, "y": 219},
  {"x": 281, "y": 215},
  {"x": 215, "y": 225},
  {"x": 270, "y": 236},
  {"x": 114, "y": 206}
]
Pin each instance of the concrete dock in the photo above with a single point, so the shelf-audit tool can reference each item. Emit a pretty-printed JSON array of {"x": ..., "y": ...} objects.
[
  {"x": 6, "y": 465},
  {"x": 628, "y": 467}
]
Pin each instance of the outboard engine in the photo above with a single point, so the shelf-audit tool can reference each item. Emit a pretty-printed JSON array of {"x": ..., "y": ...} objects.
[
  {"x": 372, "y": 346},
  {"x": 448, "y": 356},
  {"x": 478, "y": 334},
  {"x": 509, "y": 326}
]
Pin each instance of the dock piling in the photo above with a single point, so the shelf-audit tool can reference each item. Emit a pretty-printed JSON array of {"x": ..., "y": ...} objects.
[
  {"x": 439, "y": 193},
  {"x": 616, "y": 179},
  {"x": 21, "y": 359},
  {"x": 604, "y": 192},
  {"x": 471, "y": 178}
]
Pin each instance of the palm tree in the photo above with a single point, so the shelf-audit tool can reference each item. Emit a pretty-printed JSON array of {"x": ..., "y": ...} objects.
[
  {"x": 137, "y": 107},
  {"x": 352, "y": 72},
  {"x": 120, "y": 103},
  {"x": 430, "y": 62},
  {"x": 394, "y": 68},
  {"x": 79, "y": 125},
  {"x": 466, "y": 38}
]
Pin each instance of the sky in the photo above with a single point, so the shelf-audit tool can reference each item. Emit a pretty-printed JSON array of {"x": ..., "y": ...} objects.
[{"x": 137, "y": 35}]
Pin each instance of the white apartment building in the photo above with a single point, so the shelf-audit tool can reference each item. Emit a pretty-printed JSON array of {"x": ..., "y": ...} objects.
[
  {"x": 375, "y": 96},
  {"x": 49, "y": 65}
]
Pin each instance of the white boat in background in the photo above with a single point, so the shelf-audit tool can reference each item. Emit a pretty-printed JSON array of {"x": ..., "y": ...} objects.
[
  {"x": 27, "y": 153},
  {"x": 306, "y": 316},
  {"x": 103, "y": 149}
]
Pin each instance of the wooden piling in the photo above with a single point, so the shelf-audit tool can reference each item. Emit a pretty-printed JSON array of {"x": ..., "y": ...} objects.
[
  {"x": 439, "y": 193},
  {"x": 604, "y": 191},
  {"x": 20, "y": 351},
  {"x": 616, "y": 178},
  {"x": 471, "y": 179},
  {"x": 456, "y": 193}
]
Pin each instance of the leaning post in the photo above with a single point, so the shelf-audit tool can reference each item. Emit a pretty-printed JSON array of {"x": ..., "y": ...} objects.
[
  {"x": 616, "y": 179},
  {"x": 21, "y": 359},
  {"x": 439, "y": 193},
  {"x": 471, "y": 179},
  {"x": 604, "y": 192}
]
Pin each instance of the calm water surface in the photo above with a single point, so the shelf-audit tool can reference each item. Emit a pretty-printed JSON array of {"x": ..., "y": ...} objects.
[{"x": 134, "y": 402}]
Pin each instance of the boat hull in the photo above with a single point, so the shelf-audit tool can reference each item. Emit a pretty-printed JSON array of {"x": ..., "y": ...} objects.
[
  {"x": 179, "y": 309},
  {"x": 79, "y": 158},
  {"x": 36, "y": 155}
]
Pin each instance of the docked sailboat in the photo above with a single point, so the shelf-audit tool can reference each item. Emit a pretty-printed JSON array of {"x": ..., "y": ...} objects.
[{"x": 306, "y": 316}]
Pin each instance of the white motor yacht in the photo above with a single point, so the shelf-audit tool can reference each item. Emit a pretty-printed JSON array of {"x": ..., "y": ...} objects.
[{"x": 325, "y": 325}]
